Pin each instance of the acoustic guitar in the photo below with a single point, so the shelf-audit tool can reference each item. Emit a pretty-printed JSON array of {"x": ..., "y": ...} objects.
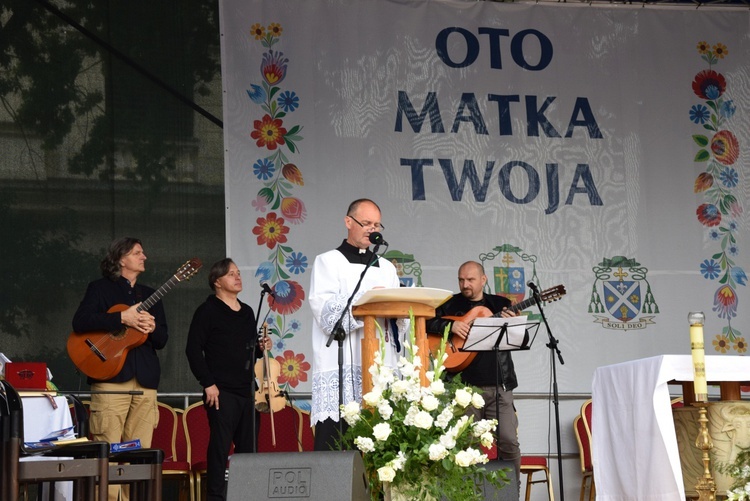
[
  {"x": 459, "y": 360},
  {"x": 101, "y": 354}
]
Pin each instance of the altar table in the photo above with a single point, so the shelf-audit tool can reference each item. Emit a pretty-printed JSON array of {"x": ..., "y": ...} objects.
[{"x": 634, "y": 444}]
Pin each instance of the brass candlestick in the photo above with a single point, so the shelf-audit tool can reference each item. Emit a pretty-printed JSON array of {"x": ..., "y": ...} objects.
[{"x": 706, "y": 485}]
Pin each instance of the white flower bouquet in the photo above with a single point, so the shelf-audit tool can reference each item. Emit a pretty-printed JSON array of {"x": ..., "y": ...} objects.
[
  {"x": 418, "y": 438},
  {"x": 739, "y": 470}
]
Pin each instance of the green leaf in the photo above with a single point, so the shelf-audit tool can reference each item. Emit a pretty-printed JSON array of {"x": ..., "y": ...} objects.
[
  {"x": 700, "y": 140},
  {"x": 702, "y": 156}
]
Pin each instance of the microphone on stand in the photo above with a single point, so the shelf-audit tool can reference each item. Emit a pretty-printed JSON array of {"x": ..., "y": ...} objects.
[
  {"x": 376, "y": 238},
  {"x": 535, "y": 293},
  {"x": 267, "y": 289}
]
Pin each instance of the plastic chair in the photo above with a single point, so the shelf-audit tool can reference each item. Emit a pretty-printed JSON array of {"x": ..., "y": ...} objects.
[
  {"x": 85, "y": 463},
  {"x": 584, "y": 452},
  {"x": 168, "y": 433},
  {"x": 536, "y": 464}
]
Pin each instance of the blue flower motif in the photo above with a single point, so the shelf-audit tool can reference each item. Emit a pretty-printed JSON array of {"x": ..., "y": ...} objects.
[
  {"x": 288, "y": 101},
  {"x": 283, "y": 288},
  {"x": 264, "y": 169},
  {"x": 713, "y": 91},
  {"x": 732, "y": 226},
  {"x": 296, "y": 263},
  {"x": 265, "y": 271},
  {"x": 729, "y": 177},
  {"x": 710, "y": 269},
  {"x": 295, "y": 325},
  {"x": 257, "y": 94},
  {"x": 699, "y": 114},
  {"x": 733, "y": 250},
  {"x": 727, "y": 109},
  {"x": 714, "y": 234},
  {"x": 279, "y": 345},
  {"x": 738, "y": 275}
]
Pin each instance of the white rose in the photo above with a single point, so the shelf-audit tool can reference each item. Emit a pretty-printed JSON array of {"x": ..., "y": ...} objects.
[
  {"x": 373, "y": 397},
  {"x": 351, "y": 412},
  {"x": 477, "y": 401},
  {"x": 381, "y": 431},
  {"x": 430, "y": 402},
  {"x": 463, "y": 459},
  {"x": 423, "y": 420},
  {"x": 437, "y": 452},
  {"x": 399, "y": 387},
  {"x": 365, "y": 444},
  {"x": 462, "y": 397},
  {"x": 437, "y": 387},
  {"x": 386, "y": 474},
  {"x": 385, "y": 410},
  {"x": 448, "y": 441}
]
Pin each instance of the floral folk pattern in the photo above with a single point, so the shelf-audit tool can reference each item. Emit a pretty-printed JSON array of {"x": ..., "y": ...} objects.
[
  {"x": 719, "y": 183},
  {"x": 275, "y": 201}
]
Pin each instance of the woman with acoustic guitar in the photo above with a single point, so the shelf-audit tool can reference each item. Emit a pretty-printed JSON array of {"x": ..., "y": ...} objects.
[{"x": 220, "y": 353}]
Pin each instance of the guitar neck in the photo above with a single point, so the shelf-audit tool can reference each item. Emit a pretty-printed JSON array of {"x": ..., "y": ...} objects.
[
  {"x": 519, "y": 307},
  {"x": 157, "y": 295}
]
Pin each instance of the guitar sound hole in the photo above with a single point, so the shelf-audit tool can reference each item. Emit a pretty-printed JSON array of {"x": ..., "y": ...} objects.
[{"x": 118, "y": 334}]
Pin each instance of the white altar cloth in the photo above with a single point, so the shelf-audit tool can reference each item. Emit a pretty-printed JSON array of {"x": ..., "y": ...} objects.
[{"x": 634, "y": 444}]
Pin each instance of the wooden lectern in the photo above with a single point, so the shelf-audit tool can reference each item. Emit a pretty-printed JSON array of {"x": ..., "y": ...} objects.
[{"x": 397, "y": 303}]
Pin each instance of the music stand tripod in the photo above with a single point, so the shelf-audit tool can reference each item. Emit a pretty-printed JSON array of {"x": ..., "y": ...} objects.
[{"x": 498, "y": 334}]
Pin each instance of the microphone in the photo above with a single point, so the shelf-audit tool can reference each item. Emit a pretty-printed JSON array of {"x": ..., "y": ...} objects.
[
  {"x": 267, "y": 289},
  {"x": 377, "y": 239},
  {"x": 532, "y": 286}
]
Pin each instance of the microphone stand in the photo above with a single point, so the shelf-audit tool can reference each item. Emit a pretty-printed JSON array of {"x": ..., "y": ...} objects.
[
  {"x": 339, "y": 334},
  {"x": 552, "y": 345}
]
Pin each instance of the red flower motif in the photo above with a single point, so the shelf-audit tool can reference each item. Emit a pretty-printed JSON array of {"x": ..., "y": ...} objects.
[
  {"x": 289, "y": 296},
  {"x": 725, "y": 147},
  {"x": 270, "y": 230},
  {"x": 292, "y": 174},
  {"x": 703, "y": 182},
  {"x": 268, "y": 132},
  {"x": 709, "y": 85},
  {"x": 725, "y": 302},
  {"x": 293, "y": 368},
  {"x": 273, "y": 67},
  {"x": 293, "y": 209},
  {"x": 708, "y": 215}
]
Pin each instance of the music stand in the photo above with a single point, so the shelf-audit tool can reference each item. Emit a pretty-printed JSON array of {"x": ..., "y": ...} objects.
[{"x": 488, "y": 333}]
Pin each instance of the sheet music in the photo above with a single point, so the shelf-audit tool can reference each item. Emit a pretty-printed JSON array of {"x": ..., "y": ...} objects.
[{"x": 484, "y": 333}]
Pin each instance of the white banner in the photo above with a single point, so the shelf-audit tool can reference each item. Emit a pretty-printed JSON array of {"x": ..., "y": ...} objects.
[{"x": 603, "y": 149}]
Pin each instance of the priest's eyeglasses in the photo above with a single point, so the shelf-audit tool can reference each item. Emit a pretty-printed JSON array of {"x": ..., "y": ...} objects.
[{"x": 368, "y": 224}]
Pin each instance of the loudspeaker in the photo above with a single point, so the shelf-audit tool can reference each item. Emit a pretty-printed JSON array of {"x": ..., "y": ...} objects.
[{"x": 308, "y": 476}]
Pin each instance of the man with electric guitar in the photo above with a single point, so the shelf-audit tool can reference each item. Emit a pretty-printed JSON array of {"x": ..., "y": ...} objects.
[
  {"x": 480, "y": 371},
  {"x": 117, "y": 416}
]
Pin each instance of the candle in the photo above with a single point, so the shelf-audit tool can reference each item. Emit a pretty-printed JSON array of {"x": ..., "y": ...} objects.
[{"x": 696, "y": 318}]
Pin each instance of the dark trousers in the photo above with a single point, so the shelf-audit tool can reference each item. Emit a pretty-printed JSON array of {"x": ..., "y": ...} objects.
[
  {"x": 231, "y": 423},
  {"x": 327, "y": 437}
]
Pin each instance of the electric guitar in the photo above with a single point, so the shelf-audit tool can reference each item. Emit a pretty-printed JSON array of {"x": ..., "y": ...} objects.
[
  {"x": 459, "y": 360},
  {"x": 101, "y": 354}
]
